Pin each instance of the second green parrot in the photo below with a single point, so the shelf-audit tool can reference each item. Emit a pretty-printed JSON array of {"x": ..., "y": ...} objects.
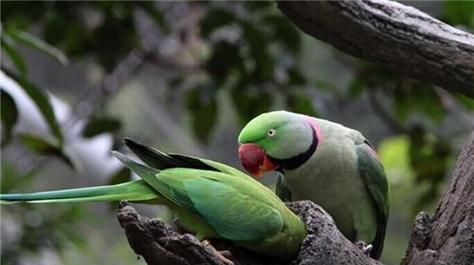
[
  {"x": 209, "y": 198},
  {"x": 325, "y": 162}
]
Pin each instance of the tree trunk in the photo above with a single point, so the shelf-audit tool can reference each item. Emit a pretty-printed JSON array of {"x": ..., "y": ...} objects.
[{"x": 448, "y": 237}]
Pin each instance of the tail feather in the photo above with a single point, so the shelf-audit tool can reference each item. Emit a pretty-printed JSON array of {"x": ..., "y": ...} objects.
[{"x": 136, "y": 190}]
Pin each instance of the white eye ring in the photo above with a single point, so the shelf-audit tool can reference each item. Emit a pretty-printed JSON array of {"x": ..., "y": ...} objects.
[{"x": 271, "y": 132}]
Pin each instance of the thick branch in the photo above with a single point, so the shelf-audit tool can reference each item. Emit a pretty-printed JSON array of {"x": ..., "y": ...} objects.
[
  {"x": 160, "y": 243},
  {"x": 395, "y": 36},
  {"x": 448, "y": 237}
]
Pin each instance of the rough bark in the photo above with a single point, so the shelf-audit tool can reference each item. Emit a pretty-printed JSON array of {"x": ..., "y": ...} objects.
[
  {"x": 448, "y": 237},
  {"x": 162, "y": 244},
  {"x": 445, "y": 238},
  {"x": 392, "y": 35}
]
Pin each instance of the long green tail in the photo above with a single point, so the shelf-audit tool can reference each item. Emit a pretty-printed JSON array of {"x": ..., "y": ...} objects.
[{"x": 136, "y": 190}]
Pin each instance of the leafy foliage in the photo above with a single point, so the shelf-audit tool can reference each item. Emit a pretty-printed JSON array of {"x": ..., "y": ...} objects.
[
  {"x": 16, "y": 58},
  {"x": 41, "y": 146},
  {"x": 41, "y": 99},
  {"x": 429, "y": 157},
  {"x": 244, "y": 61},
  {"x": 30, "y": 40}
]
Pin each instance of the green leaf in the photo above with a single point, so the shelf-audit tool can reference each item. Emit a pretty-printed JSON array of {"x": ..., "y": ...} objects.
[
  {"x": 38, "y": 44},
  {"x": 202, "y": 106},
  {"x": 97, "y": 126},
  {"x": 14, "y": 55},
  {"x": 9, "y": 115},
  {"x": 41, "y": 100},
  {"x": 215, "y": 18},
  {"x": 41, "y": 146}
]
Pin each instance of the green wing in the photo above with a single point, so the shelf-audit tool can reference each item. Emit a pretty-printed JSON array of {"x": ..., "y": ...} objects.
[
  {"x": 219, "y": 198},
  {"x": 233, "y": 214},
  {"x": 373, "y": 174},
  {"x": 159, "y": 160}
]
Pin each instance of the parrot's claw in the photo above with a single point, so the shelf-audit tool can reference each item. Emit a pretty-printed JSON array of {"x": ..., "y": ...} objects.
[
  {"x": 366, "y": 248},
  {"x": 221, "y": 255}
]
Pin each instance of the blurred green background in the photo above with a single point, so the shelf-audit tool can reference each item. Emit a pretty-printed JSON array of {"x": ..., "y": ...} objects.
[{"x": 78, "y": 76}]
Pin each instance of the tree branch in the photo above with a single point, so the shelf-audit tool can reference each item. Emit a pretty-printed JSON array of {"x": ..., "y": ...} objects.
[
  {"x": 160, "y": 243},
  {"x": 392, "y": 35}
]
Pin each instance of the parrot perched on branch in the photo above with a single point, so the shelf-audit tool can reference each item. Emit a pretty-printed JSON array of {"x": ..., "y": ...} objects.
[
  {"x": 325, "y": 162},
  {"x": 209, "y": 198}
]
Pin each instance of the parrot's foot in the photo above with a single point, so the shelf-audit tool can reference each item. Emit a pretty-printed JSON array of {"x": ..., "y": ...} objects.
[
  {"x": 366, "y": 248},
  {"x": 221, "y": 255}
]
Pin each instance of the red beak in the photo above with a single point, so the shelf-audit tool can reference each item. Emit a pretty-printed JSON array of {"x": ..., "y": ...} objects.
[{"x": 254, "y": 159}]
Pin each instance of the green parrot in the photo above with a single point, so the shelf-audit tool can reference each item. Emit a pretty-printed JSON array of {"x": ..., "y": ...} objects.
[
  {"x": 209, "y": 198},
  {"x": 325, "y": 162}
]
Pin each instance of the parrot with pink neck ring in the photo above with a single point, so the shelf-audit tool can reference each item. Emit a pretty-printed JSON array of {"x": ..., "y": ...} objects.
[{"x": 334, "y": 166}]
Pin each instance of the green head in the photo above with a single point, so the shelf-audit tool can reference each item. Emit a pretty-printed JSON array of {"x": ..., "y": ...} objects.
[{"x": 272, "y": 137}]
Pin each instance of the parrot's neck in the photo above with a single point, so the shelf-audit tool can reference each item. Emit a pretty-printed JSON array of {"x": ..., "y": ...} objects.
[{"x": 298, "y": 160}]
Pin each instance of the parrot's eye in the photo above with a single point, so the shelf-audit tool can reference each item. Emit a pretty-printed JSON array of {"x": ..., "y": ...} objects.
[{"x": 271, "y": 132}]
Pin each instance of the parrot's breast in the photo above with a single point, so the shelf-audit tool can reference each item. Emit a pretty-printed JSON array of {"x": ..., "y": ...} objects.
[{"x": 331, "y": 179}]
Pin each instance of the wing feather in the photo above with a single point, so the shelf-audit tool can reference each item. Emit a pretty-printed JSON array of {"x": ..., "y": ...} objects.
[
  {"x": 226, "y": 203},
  {"x": 373, "y": 174},
  {"x": 233, "y": 214}
]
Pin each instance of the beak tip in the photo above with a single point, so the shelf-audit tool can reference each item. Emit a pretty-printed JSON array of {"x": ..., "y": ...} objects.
[{"x": 251, "y": 157}]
